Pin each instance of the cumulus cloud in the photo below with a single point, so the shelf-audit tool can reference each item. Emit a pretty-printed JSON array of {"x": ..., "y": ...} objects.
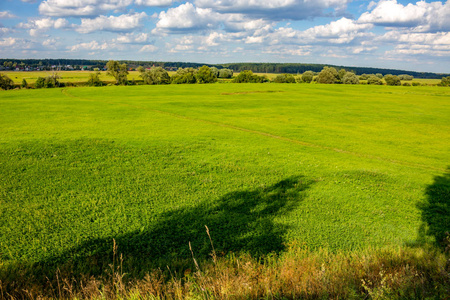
[
  {"x": 122, "y": 23},
  {"x": 148, "y": 48},
  {"x": 93, "y": 45},
  {"x": 160, "y": 3},
  {"x": 81, "y": 8},
  {"x": 186, "y": 17},
  {"x": 275, "y": 9},
  {"x": 132, "y": 38},
  {"x": 6, "y": 15},
  {"x": 38, "y": 26},
  {"x": 422, "y": 16}
]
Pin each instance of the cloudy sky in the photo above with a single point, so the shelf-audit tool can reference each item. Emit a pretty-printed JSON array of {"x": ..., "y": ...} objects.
[{"x": 386, "y": 33}]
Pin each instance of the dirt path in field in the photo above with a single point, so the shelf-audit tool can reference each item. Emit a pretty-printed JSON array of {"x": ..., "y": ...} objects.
[{"x": 261, "y": 133}]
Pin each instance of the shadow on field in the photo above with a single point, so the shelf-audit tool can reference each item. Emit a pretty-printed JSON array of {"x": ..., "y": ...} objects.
[
  {"x": 241, "y": 221},
  {"x": 436, "y": 210}
]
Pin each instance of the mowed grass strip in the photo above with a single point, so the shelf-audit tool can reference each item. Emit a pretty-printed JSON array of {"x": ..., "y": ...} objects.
[{"x": 149, "y": 166}]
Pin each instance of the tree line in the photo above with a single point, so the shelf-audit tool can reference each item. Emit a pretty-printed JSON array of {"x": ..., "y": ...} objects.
[{"x": 289, "y": 68}]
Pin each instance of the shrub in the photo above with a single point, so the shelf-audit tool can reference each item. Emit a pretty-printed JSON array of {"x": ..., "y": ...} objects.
[
  {"x": 155, "y": 75},
  {"x": 374, "y": 80},
  {"x": 328, "y": 76},
  {"x": 186, "y": 75},
  {"x": 94, "y": 79},
  {"x": 406, "y": 84},
  {"x": 392, "y": 80},
  {"x": 40, "y": 82},
  {"x": 350, "y": 78},
  {"x": 308, "y": 76},
  {"x": 445, "y": 81},
  {"x": 206, "y": 75},
  {"x": 284, "y": 78},
  {"x": 225, "y": 73},
  {"x": 6, "y": 83},
  {"x": 416, "y": 84},
  {"x": 248, "y": 76},
  {"x": 24, "y": 84},
  {"x": 406, "y": 77}
]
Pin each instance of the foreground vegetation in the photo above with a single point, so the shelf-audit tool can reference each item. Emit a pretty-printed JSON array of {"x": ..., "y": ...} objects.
[{"x": 307, "y": 190}]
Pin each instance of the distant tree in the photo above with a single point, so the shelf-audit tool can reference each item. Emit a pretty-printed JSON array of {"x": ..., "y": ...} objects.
[
  {"x": 140, "y": 69},
  {"x": 52, "y": 81},
  {"x": 445, "y": 81},
  {"x": 94, "y": 79},
  {"x": 186, "y": 75},
  {"x": 284, "y": 78},
  {"x": 374, "y": 80},
  {"x": 365, "y": 77},
  {"x": 379, "y": 75},
  {"x": 6, "y": 83},
  {"x": 24, "y": 84},
  {"x": 392, "y": 80},
  {"x": 350, "y": 78},
  {"x": 156, "y": 75},
  {"x": 308, "y": 76},
  {"x": 406, "y": 77},
  {"x": 118, "y": 71},
  {"x": 40, "y": 82},
  {"x": 328, "y": 76},
  {"x": 341, "y": 74},
  {"x": 215, "y": 71},
  {"x": 206, "y": 75},
  {"x": 225, "y": 73},
  {"x": 248, "y": 76}
]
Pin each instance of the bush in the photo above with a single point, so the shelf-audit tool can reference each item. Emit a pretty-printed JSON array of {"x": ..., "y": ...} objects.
[
  {"x": 186, "y": 75},
  {"x": 24, "y": 84},
  {"x": 445, "y": 81},
  {"x": 225, "y": 73},
  {"x": 94, "y": 79},
  {"x": 40, "y": 82},
  {"x": 328, "y": 76},
  {"x": 374, "y": 80},
  {"x": 416, "y": 84},
  {"x": 392, "y": 80},
  {"x": 155, "y": 75},
  {"x": 350, "y": 78},
  {"x": 308, "y": 76},
  {"x": 406, "y": 84},
  {"x": 284, "y": 78},
  {"x": 406, "y": 77},
  {"x": 206, "y": 75},
  {"x": 6, "y": 83},
  {"x": 248, "y": 76}
]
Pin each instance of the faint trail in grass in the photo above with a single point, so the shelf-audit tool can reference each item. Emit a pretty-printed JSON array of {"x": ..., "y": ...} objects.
[{"x": 262, "y": 133}]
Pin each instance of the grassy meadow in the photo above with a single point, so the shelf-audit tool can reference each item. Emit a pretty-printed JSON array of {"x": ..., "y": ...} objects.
[{"x": 266, "y": 167}]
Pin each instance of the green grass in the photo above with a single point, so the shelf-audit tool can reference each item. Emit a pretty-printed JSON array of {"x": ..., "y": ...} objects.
[{"x": 262, "y": 165}]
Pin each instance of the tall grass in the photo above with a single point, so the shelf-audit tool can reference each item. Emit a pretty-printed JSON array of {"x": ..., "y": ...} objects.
[{"x": 402, "y": 273}]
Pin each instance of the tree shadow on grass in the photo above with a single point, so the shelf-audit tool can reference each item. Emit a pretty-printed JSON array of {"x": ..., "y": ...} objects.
[
  {"x": 436, "y": 211},
  {"x": 241, "y": 221}
]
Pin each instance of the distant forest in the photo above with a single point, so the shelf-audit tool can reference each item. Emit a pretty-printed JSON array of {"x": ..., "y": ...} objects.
[{"x": 292, "y": 68}]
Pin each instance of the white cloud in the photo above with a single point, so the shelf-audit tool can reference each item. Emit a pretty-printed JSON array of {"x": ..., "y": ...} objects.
[
  {"x": 422, "y": 16},
  {"x": 131, "y": 38},
  {"x": 29, "y": 1},
  {"x": 122, "y": 23},
  {"x": 6, "y": 15},
  {"x": 148, "y": 48},
  {"x": 93, "y": 45},
  {"x": 275, "y": 9},
  {"x": 4, "y": 30},
  {"x": 77, "y": 8},
  {"x": 38, "y": 26},
  {"x": 159, "y": 3},
  {"x": 186, "y": 17}
]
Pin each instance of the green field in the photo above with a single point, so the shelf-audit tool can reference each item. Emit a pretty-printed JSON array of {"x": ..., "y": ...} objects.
[{"x": 262, "y": 165}]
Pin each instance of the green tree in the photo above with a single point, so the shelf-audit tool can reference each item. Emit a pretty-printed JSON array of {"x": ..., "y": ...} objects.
[
  {"x": 284, "y": 78},
  {"x": 225, "y": 73},
  {"x": 156, "y": 75},
  {"x": 248, "y": 76},
  {"x": 205, "y": 75},
  {"x": 350, "y": 78},
  {"x": 6, "y": 83},
  {"x": 328, "y": 76},
  {"x": 374, "y": 80},
  {"x": 308, "y": 76},
  {"x": 140, "y": 69},
  {"x": 392, "y": 80},
  {"x": 406, "y": 77},
  {"x": 186, "y": 75},
  {"x": 341, "y": 74},
  {"x": 94, "y": 79},
  {"x": 445, "y": 81},
  {"x": 118, "y": 71},
  {"x": 215, "y": 71},
  {"x": 379, "y": 75},
  {"x": 24, "y": 84}
]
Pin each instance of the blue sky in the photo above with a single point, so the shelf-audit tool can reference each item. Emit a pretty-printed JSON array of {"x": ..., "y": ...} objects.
[{"x": 388, "y": 33}]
